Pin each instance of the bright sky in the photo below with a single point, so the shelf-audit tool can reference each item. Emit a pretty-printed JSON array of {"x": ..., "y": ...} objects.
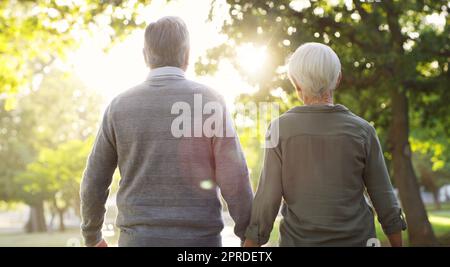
[{"x": 123, "y": 66}]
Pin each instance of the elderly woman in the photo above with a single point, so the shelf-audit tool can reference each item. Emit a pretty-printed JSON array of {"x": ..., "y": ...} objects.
[{"x": 325, "y": 160}]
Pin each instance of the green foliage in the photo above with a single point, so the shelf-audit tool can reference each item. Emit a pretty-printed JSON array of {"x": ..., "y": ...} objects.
[
  {"x": 62, "y": 109},
  {"x": 432, "y": 163},
  {"x": 55, "y": 174},
  {"x": 16, "y": 149},
  {"x": 34, "y": 33},
  {"x": 383, "y": 46},
  {"x": 431, "y": 150},
  {"x": 41, "y": 140}
]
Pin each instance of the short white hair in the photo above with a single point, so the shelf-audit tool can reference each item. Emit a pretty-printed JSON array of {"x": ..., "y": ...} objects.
[{"x": 315, "y": 68}]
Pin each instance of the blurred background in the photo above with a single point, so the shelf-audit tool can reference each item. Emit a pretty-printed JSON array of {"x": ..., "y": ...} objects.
[{"x": 62, "y": 61}]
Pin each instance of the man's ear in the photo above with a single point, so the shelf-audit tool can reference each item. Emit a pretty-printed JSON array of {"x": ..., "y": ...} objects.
[
  {"x": 145, "y": 57},
  {"x": 186, "y": 59}
]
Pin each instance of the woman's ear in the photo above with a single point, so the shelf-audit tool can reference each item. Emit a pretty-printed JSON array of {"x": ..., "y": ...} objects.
[
  {"x": 294, "y": 83},
  {"x": 339, "y": 80},
  {"x": 298, "y": 89}
]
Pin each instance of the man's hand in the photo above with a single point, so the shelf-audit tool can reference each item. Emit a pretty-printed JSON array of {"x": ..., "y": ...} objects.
[
  {"x": 396, "y": 239},
  {"x": 250, "y": 244},
  {"x": 101, "y": 244}
]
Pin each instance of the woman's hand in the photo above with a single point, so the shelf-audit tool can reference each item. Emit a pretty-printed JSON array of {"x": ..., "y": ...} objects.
[
  {"x": 250, "y": 244},
  {"x": 102, "y": 244},
  {"x": 396, "y": 239}
]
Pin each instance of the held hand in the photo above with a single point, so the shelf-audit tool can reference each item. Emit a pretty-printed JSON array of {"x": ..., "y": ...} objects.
[
  {"x": 102, "y": 244},
  {"x": 396, "y": 239},
  {"x": 250, "y": 244}
]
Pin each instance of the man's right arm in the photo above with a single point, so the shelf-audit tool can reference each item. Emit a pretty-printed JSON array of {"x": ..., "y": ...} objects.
[{"x": 96, "y": 180}]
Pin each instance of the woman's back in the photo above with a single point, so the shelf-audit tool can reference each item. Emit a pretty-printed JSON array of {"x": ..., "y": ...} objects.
[
  {"x": 323, "y": 153},
  {"x": 325, "y": 159}
]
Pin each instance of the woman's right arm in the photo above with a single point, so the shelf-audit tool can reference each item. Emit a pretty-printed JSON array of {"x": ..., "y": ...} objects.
[{"x": 267, "y": 200}]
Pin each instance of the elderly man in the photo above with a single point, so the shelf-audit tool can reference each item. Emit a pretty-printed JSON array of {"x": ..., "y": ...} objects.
[
  {"x": 168, "y": 192},
  {"x": 326, "y": 158}
]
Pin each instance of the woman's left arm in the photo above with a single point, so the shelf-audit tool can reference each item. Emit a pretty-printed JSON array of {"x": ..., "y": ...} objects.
[{"x": 379, "y": 187}]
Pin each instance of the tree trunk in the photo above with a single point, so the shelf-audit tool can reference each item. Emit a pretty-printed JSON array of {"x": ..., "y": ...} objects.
[
  {"x": 60, "y": 212},
  {"x": 437, "y": 202},
  {"x": 36, "y": 220},
  {"x": 62, "y": 226},
  {"x": 419, "y": 228},
  {"x": 76, "y": 205},
  {"x": 52, "y": 219},
  {"x": 429, "y": 182}
]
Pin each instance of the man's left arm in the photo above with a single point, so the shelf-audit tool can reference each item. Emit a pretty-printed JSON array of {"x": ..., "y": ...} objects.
[
  {"x": 96, "y": 181},
  {"x": 232, "y": 175}
]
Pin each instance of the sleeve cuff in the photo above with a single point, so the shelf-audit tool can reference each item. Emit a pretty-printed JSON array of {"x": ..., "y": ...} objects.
[
  {"x": 398, "y": 225},
  {"x": 90, "y": 240},
  {"x": 253, "y": 234}
]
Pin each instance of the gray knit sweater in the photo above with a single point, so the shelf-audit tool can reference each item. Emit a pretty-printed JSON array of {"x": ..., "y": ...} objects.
[{"x": 169, "y": 187}]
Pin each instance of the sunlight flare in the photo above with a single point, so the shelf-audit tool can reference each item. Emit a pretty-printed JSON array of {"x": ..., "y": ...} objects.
[{"x": 251, "y": 58}]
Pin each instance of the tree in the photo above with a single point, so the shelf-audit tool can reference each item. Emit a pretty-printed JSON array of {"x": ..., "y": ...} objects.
[
  {"x": 394, "y": 60},
  {"x": 55, "y": 176},
  {"x": 431, "y": 158},
  {"x": 16, "y": 149},
  {"x": 432, "y": 165},
  {"x": 34, "y": 33},
  {"x": 61, "y": 110}
]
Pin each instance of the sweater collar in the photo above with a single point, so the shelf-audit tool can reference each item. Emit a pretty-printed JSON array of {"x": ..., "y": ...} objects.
[{"x": 165, "y": 72}]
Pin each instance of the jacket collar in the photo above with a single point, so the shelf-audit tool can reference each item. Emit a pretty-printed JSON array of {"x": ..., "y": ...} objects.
[{"x": 318, "y": 108}]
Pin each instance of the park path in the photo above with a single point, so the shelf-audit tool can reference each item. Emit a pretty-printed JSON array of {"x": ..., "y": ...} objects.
[{"x": 229, "y": 239}]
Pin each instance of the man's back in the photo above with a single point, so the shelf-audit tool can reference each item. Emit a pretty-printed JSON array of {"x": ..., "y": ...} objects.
[{"x": 168, "y": 194}]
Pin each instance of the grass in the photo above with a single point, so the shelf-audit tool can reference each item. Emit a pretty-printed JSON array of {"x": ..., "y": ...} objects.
[
  {"x": 444, "y": 207},
  {"x": 69, "y": 238},
  {"x": 440, "y": 221}
]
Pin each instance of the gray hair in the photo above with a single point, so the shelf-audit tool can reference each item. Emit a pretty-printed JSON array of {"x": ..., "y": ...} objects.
[
  {"x": 314, "y": 67},
  {"x": 166, "y": 43}
]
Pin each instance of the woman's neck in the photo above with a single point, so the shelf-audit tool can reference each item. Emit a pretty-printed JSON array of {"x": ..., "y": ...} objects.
[{"x": 325, "y": 99}]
